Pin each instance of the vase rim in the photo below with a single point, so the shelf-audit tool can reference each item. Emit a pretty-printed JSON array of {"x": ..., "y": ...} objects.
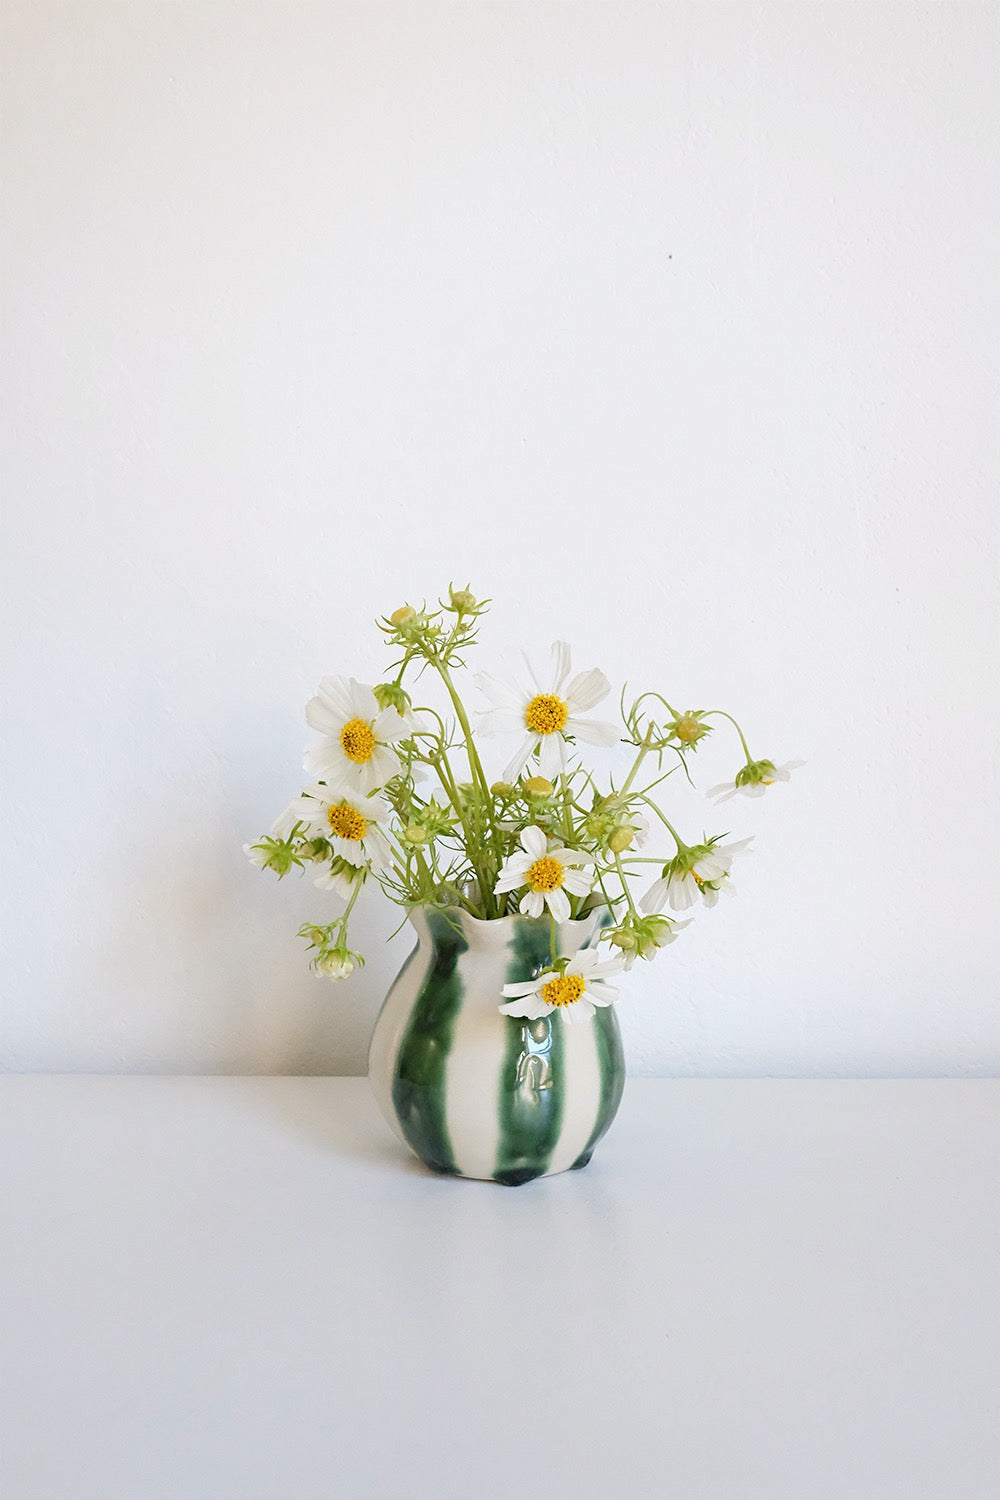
[{"x": 514, "y": 916}]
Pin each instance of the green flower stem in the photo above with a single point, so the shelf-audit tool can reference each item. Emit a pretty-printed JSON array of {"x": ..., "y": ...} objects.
[
  {"x": 484, "y": 874},
  {"x": 644, "y": 750},
  {"x": 478, "y": 774},
  {"x": 345, "y": 914},
  {"x": 666, "y": 823},
  {"x": 625, "y": 886},
  {"x": 720, "y": 713},
  {"x": 604, "y": 892},
  {"x": 659, "y": 698}
]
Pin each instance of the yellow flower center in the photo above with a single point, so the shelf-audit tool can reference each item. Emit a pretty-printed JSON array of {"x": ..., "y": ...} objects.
[
  {"x": 546, "y": 713},
  {"x": 357, "y": 741},
  {"x": 565, "y": 990},
  {"x": 546, "y": 874},
  {"x": 345, "y": 822}
]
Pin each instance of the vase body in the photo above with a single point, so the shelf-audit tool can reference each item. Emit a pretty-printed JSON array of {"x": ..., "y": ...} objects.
[{"x": 479, "y": 1094}]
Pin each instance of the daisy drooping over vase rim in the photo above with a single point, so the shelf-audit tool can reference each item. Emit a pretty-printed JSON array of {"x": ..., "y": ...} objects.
[{"x": 399, "y": 797}]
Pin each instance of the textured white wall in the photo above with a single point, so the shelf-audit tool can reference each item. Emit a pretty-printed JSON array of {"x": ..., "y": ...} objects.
[{"x": 672, "y": 326}]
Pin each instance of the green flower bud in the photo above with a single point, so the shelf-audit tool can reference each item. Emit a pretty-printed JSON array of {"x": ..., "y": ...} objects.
[
  {"x": 689, "y": 729},
  {"x": 621, "y": 839},
  {"x": 501, "y": 789},
  {"x": 756, "y": 773},
  {"x": 598, "y": 825},
  {"x": 391, "y": 695},
  {"x": 402, "y": 616},
  {"x": 415, "y": 833},
  {"x": 538, "y": 788},
  {"x": 627, "y": 941}
]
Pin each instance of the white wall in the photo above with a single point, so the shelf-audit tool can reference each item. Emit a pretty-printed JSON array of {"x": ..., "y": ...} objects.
[{"x": 671, "y": 326}]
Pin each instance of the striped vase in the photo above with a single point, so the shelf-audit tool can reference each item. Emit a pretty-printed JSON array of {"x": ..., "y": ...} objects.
[{"x": 478, "y": 1094}]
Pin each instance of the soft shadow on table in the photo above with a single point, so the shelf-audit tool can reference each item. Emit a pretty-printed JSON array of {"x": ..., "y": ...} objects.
[{"x": 330, "y": 1120}]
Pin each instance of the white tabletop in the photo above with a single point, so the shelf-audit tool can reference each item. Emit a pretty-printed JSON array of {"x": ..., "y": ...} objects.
[{"x": 245, "y": 1288}]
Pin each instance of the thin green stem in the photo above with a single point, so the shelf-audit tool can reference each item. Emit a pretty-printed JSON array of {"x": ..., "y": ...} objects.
[
  {"x": 625, "y": 887},
  {"x": 665, "y": 821},
  {"x": 720, "y": 713}
]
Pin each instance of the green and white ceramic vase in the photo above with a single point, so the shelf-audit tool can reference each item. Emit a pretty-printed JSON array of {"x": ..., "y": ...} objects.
[{"x": 479, "y": 1094}]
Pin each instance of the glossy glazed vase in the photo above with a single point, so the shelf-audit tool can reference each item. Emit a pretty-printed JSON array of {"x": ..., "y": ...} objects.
[{"x": 479, "y": 1094}]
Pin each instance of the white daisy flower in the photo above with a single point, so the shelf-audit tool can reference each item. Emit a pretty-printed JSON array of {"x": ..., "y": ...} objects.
[
  {"x": 647, "y": 936},
  {"x": 753, "y": 779},
  {"x": 356, "y": 748},
  {"x": 545, "y": 715},
  {"x": 574, "y": 993},
  {"x": 701, "y": 872},
  {"x": 350, "y": 824},
  {"x": 548, "y": 873}
]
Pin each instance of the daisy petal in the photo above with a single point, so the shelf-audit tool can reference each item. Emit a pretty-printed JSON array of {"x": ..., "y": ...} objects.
[
  {"x": 531, "y": 1009},
  {"x": 523, "y": 987},
  {"x": 682, "y": 894},
  {"x": 390, "y": 726},
  {"x": 577, "y": 883},
  {"x": 593, "y": 731},
  {"x": 723, "y": 791},
  {"x": 533, "y": 841},
  {"x": 654, "y": 898},
  {"x": 517, "y": 763},
  {"x": 500, "y": 694},
  {"x": 333, "y": 695},
  {"x": 558, "y": 904},
  {"x": 532, "y": 904},
  {"x": 500, "y": 721},
  {"x": 586, "y": 690},
  {"x": 551, "y": 756},
  {"x": 525, "y": 678},
  {"x": 561, "y": 662},
  {"x": 364, "y": 704}
]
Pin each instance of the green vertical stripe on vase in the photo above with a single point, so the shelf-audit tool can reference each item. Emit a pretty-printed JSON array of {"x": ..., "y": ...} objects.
[
  {"x": 418, "y": 1088},
  {"x": 611, "y": 1062},
  {"x": 530, "y": 1100}
]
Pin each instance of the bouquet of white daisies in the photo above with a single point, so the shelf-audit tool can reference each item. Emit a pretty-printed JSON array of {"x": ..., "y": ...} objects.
[{"x": 399, "y": 798}]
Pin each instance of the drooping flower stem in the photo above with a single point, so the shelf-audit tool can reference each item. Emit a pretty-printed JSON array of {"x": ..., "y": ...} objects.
[
  {"x": 666, "y": 823},
  {"x": 720, "y": 713}
]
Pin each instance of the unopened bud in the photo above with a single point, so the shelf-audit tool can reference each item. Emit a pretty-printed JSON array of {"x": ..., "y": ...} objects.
[
  {"x": 400, "y": 616},
  {"x": 621, "y": 839},
  {"x": 688, "y": 729},
  {"x": 501, "y": 788},
  {"x": 415, "y": 833},
  {"x": 462, "y": 599},
  {"x": 390, "y": 694},
  {"x": 538, "y": 787},
  {"x": 627, "y": 941}
]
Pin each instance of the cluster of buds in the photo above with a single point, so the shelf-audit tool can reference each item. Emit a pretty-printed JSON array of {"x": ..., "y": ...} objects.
[
  {"x": 430, "y": 822},
  {"x": 331, "y": 958},
  {"x": 423, "y": 632},
  {"x": 643, "y": 936},
  {"x": 613, "y": 827},
  {"x": 679, "y": 731}
]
